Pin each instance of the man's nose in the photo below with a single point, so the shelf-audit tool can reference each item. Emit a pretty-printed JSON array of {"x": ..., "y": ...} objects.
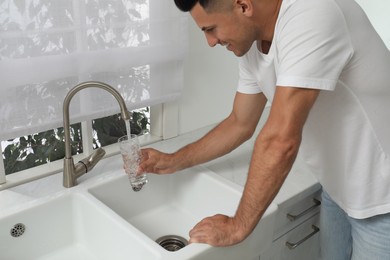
[{"x": 211, "y": 40}]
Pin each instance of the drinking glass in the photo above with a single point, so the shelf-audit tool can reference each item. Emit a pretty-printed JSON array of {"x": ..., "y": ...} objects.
[{"x": 131, "y": 154}]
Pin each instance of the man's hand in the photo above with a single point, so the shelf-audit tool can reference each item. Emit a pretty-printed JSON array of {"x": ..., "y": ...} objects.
[
  {"x": 154, "y": 161},
  {"x": 218, "y": 230}
]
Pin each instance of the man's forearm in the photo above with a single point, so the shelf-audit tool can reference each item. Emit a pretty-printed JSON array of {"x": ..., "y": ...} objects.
[{"x": 270, "y": 165}]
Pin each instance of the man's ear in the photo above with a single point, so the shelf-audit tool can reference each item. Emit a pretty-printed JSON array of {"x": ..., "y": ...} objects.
[{"x": 244, "y": 6}]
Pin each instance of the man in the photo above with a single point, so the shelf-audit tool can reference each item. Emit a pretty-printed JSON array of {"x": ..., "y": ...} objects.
[{"x": 326, "y": 73}]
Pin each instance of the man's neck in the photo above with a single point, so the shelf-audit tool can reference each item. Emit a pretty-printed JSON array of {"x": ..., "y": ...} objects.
[{"x": 267, "y": 14}]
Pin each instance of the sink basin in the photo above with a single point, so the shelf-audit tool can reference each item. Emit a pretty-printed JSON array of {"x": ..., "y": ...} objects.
[
  {"x": 173, "y": 204},
  {"x": 68, "y": 226}
]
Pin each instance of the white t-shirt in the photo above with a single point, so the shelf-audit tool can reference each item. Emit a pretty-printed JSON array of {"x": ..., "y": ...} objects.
[{"x": 331, "y": 45}]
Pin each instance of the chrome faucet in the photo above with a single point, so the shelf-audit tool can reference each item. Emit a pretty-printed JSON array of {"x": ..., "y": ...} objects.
[{"x": 71, "y": 171}]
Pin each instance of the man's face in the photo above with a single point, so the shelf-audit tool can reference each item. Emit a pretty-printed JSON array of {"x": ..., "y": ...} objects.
[{"x": 227, "y": 28}]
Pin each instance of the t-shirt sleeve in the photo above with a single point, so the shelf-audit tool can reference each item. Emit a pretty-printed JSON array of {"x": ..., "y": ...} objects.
[{"x": 247, "y": 82}]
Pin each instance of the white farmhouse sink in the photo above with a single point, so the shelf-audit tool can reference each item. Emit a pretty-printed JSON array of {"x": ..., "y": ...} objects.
[
  {"x": 173, "y": 204},
  {"x": 70, "y": 226},
  {"x": 106, "y": 219}
]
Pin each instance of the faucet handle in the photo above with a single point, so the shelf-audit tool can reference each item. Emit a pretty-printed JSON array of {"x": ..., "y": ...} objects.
[{"x": 88, "y": 163}]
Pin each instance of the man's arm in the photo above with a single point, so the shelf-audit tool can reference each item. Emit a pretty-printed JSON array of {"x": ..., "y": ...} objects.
[
  {"x": 274, "y": 153},
  {"x": 238, "y": 127}
]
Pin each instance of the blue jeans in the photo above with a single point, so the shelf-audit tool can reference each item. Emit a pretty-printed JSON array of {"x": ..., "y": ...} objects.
[{"x": 343, "y": 237}]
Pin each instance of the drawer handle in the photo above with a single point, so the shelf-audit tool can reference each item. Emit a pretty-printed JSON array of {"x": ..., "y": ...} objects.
[
  {"x": 292, "y": 217},
  {"x": 295, "y": 245}
]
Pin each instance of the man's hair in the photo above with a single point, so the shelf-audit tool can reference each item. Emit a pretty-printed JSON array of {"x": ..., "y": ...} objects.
[{"x": 208, "y": 5}]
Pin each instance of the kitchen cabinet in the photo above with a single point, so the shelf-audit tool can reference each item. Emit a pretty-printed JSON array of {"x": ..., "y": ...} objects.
[
  {"x": 301, "y": 243},
  {"x": 296, "y": 235}
]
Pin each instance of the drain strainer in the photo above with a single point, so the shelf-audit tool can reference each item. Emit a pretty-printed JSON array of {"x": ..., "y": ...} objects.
[
  {"x": 17, "y": 230},
  {"x": 172, "y": 242}
]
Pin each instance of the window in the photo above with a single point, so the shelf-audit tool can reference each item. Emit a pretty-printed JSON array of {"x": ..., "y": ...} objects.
[{"x": 49, "y": 46}]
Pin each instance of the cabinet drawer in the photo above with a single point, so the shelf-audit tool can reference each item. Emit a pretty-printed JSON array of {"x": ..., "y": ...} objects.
[
  {"x": 301, "y": 243},
  {"x": 296, "y": 211}
]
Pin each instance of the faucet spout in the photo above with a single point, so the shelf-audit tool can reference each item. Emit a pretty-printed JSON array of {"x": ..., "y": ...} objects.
[{"x": 72, "y": 171}]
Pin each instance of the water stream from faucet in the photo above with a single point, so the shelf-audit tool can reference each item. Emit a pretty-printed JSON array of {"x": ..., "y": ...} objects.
[{"x": 128, "y": 129}]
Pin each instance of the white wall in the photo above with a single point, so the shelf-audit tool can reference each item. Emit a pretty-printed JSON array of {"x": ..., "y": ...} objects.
[
  {"x": 378, "y": 13},
  {"x": 210, "y": 81}
]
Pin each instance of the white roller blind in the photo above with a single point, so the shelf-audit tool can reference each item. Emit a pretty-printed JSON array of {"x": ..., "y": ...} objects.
[{"x": 48, "y": 46}]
